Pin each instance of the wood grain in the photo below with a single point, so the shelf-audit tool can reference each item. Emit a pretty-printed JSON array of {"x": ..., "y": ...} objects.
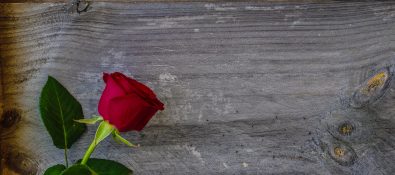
[
  {"x": 248, "y": 87},
  {"x": 147, "y": 1}
]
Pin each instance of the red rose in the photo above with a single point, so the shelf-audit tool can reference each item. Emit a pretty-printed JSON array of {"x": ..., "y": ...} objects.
[{"x": 126, "y": 103}]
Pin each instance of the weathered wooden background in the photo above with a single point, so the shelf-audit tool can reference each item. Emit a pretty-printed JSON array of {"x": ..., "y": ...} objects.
[{"x": 248, "y": 87}]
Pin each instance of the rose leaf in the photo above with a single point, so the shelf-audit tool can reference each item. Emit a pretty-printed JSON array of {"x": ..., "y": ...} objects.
[
  {"x": 59, "y": 109},
  {"x": 79, "y": 169},
  {"x": 107, "y": 167},
  {"x": 55, "y": 170}
]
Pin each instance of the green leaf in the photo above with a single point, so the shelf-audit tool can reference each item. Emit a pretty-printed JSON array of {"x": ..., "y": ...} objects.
[
  {"x": 55, "y": 170},
  {"x": 59, "y": 109},
  {"x": 90, "y": 121},
  {"x": 107, "y": 167},
  {"x": 78, "y": 170},
  {"x": 104, "y": 130},
  {"x": 118, "y": 138}
]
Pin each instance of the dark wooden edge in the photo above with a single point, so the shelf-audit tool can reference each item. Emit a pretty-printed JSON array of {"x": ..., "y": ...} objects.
[{"x": 162, "y": 1}]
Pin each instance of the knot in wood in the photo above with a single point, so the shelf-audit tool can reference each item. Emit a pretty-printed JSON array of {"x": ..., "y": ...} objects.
[
  {"x": 346, "y": 129},
  {"x": 342, "y": 154},
  {"x": 339, "y": 152},
  {"x": 10, "y": 118},
  {"x": 371, "y": 89},
  {"x": 374, "y": 83}
]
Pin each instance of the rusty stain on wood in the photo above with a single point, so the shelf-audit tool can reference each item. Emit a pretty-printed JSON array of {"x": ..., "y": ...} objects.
[{"x": 13, "y": 159}]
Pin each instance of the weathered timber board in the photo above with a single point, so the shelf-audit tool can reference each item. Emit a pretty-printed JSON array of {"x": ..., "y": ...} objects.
[{"x": 248, "y": 87}]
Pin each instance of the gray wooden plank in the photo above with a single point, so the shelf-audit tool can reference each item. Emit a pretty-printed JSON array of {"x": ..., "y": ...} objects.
[{"x": 248, "y": 87}]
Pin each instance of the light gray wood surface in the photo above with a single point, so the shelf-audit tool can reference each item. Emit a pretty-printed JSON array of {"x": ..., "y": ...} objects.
[{"x": 248, "y": 87}]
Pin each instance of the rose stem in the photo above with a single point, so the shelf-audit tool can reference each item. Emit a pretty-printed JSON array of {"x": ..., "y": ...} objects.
[
  {"x": 65, "y": 157},
  {"x": 88, "y": 152}
]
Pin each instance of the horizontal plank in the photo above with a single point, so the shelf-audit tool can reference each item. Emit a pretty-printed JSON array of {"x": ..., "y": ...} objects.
[
  {"x": 151, "y": 1},
  {"x": 248, "y": 87}
]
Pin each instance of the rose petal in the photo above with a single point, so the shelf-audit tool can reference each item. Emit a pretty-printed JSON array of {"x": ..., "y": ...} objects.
[
  {"x": 122, "y": 80},
  {"x": 132, "y": 86},
  {"x": 130, "y": 112},
  {"x": 150, "y": 112},
  {"x": 105, "y": 76},
  {"x": 149, "y": 94},
  {"x": 111, "y": 91},
  {"x": 143, "y": 89}
]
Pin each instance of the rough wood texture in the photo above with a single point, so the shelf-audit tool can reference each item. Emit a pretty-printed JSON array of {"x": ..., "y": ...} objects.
[
  {"x": 143, "y": 1},
  {"x": 249, "y": 88}
]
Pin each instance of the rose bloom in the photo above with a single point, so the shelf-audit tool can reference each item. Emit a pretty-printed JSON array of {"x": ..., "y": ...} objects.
[{"x": 126, "y": 103}]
